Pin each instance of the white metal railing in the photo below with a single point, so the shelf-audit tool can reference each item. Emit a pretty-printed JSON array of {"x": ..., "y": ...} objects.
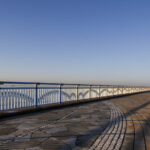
[{"x": 15, "y": 95}]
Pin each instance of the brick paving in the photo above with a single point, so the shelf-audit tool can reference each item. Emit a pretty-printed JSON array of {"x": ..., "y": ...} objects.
[
  {"x": 136, "y": 109},
  {"x": 113, "y": 135}
]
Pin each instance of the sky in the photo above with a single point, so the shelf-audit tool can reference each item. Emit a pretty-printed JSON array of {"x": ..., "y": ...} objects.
[{"x": 75, "y": 41}]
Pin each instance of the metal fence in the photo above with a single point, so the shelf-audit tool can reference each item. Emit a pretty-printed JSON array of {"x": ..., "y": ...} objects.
[{"x": 15, "y": 95}]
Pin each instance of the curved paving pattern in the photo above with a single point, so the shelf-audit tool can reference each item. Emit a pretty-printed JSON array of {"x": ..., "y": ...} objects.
[
  {"x": 137, "y": 113},
  {"x": 113, "y": 135},
  {"x": 135, "y": 120}
]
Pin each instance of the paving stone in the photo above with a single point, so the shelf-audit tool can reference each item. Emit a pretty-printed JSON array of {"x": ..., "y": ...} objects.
[
  {"x": 66, "y": 128},
  {"x": 34, "y": 148},
  {"x": 128, "y": 143},
  {"x": 136, "y": 109}
]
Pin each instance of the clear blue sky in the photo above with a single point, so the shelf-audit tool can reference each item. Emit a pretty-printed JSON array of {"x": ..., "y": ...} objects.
[{"x": 87, "y": 41}]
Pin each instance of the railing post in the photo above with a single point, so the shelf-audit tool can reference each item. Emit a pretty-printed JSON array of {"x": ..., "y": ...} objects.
[
  {"x": 60, "y": 93},
  {"x": 113, "y": 90},
  {"x": 99, "y": 91},
  {"x": 36, "y": 94},
  {"x": 77, "y": 92},
  {"x": 90, "y": 92}
]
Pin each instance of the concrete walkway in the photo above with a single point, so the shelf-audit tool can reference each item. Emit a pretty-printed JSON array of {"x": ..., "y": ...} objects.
[
  {"x": 137, "y": 112},
  {"x": 118, "y": 123},
  {"x": 75, "y": 127}
]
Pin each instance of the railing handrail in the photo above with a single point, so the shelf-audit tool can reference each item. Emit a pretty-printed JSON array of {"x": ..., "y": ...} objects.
[
  {"x": 50, "y": 83},
  {"x": 15, "y": 95}
]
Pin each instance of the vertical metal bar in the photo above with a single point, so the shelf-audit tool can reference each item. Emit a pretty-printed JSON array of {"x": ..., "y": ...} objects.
[
  {"x": 122, "y": 89},
  {"x": 32, "y": 94},
  {"x": 28, "y": 97},
  {"x": 50, "y": 96},
  {"x": 16, "y": 97},
  {"x": 77, "y": 92},
  {"x": 44, "y": 96},
  {"x": 60, "y": 93},
  {"x": 0, "y": 100},
  {"x": 115, "y": 90},
  {"x": 40, "y": 96},
  {"x": 21, "y": 98},
  {"x": 53, "y": 95},
  {"x": 24, "y": 98},
  {"x": 3, "y": 100},
  {"x": 57, "y": 96},
  {"x": 7, "y": 98},
  {"x": 36, "y": 95},
  {"x": 19, "y": 103},
  {"x": 13, "y": 97},
  {"x": 90, "y": 92},
  {"x": 99, "y": 92},
  {"x": 47, "y": 96}
]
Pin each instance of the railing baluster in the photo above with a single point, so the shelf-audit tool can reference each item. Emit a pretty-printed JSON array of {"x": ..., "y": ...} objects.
[
  {"x": 90, "y": 92},
  {"x": 12, "y": 97},
  {"x": 0, "y": 100},
  {"x": 36, "y": 95},
  {"x": 99, "y": 91},
  {"x": 77, "y": 92},
  {"x": 60, "y": 93}
]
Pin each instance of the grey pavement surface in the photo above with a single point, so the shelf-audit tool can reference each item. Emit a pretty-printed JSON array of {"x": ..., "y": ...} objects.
[
  {"x": 75, "y": 127},
  {"x": 136, "y": 109},
  {"x": 113, "y": 124}
]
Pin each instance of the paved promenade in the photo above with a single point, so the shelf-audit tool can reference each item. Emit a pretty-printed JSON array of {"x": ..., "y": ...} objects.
[
  {"x": 137, "y": 112},
  {"x": 118, "y": 123}
]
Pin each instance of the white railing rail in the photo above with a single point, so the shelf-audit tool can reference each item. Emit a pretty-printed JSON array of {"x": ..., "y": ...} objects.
[{"x": 16, "y": 95}]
